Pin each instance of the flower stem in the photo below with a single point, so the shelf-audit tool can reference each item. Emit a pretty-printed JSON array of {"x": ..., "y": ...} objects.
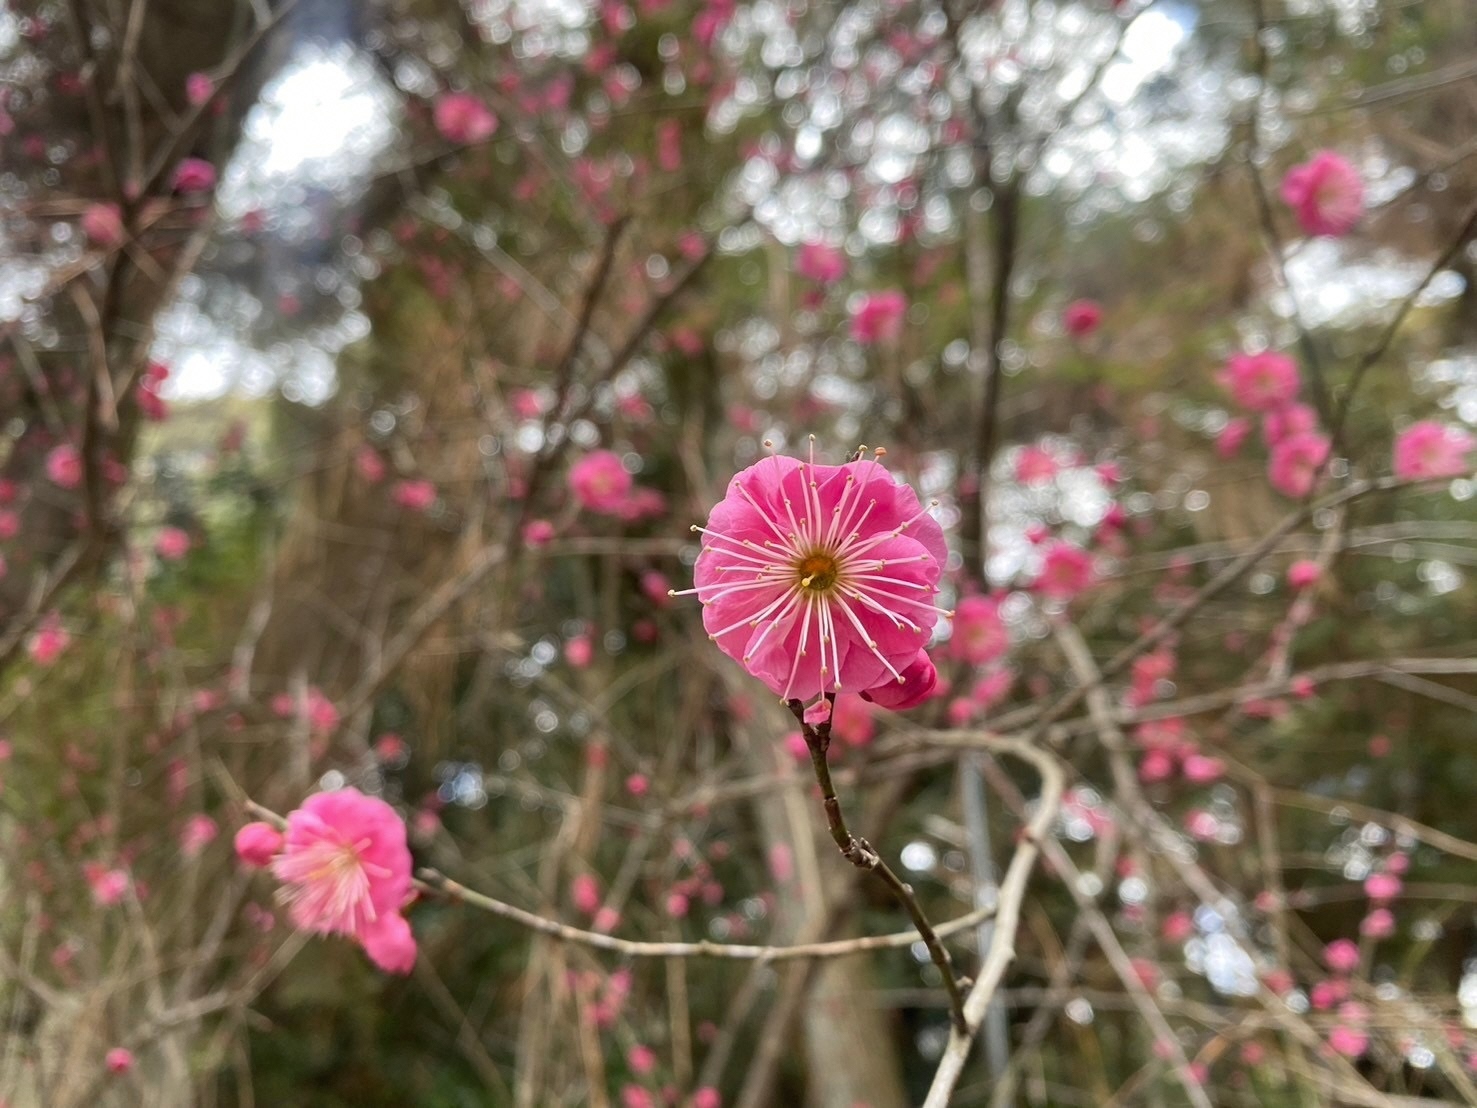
[{"x": 861, "y": 854}]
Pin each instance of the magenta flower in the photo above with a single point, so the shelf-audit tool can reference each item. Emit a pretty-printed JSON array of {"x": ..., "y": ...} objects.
[
  {"x": 194, "y": 175},
  {"x": 344, "y": 864},
  {"x": 462, "y": 118},
  {"x": 389, "y": 943},
  {"x": 1081, "y": 318},
  {"x": 820, "y": 578},
  {"x": 1326, "y": 193},
  {"x": 600, "y": 482},
  {"x": 815, "y": 261},
  {"x": 1035, "y": 465},
  {"x": 64, "y": 466},
  {"x": 1351, "y": 1042},
  {"x": 172, "y": 544},
  {"x": 198, "y": 89},
  {"x": 917, "y": 683},
  {"x": 1228, "y": 442},
  {"x": 198, "y": 832},
  {"x": 1066, "y": 570},
  {"x": 49, "y": 640},
  {"x": 1303, "y": 573},
  {"x": 1295, "y": 463},
  {"x": 415, "y": 495},
  {"x": 1341, "y": 956},
  {"x": 257, "y": 844},
  {"x": 979, "y": 633},
  {"x": 103, "y": 224},
  {"x": 1261, "y": 382},
  {"x": 119, "y": 1060},
  {"x": 1430, "y": 449},
  {"x": 1289, "y": 420},
  {"x": 878, "y": 317}
]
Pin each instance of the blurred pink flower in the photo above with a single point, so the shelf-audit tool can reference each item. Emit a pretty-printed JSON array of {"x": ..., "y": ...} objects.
[
  {"x": 198, "y": 832},
  {"x": 1295, "y": 463},
  {"x": 1303, "y": 573},
  {"x": 1081, "y": 318},
  {"x": 344, "y": 863},
  {"x": 815, "y": 261},
  {"x": 463, "y": 119},
  {"x": 599, "y": 482},
  {"x": 64, "y": 466},
  {"x": 1351, "y": 1042},
  {"x": 919, "y": 682},
  {"x": 641, "y": 1059},
  {"x": 584, "y": 894},
  {"x": 820, "y": 578},
  {"x": 194, "y": 175},
  {"x": 1290, "y": 419},
  {"x": 103, "y": 224},
  {"x": 198, "y": 89},
  {"x": 257, "y": 844},
  {"x": 1379, "y": 924},
  {"x": 1341, "y": 956},
  {"x": 389, "y": 943},
  {"x": 878, "y": 317},
  {"x": 414, "y": 495},
  {"x": 1035, "y": 465},
  {"x": 1325, "y": 193},
  {"x": 1261, "y": 382},
  {"x": 1430, "y": 449},
  {"x": 49, "y": 640},
  {"x": 579, "y": 650},
  {"x": 369, "y": 465},
  {"x": 537, "y": 533},
  {"x": 119, "y": 1060},
  {"x": 1382, "y": 887},
  {"x": 1066, "y": 570},
  {"x": 1201, "y": 769},
  {"x": 1228, "y": 442},
  {"x": 979, "y": 632},
  {"x": 172, "y": 544}
]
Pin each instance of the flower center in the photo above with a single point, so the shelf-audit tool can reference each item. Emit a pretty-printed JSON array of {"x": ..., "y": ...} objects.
[{"x": 817, "y": 571}]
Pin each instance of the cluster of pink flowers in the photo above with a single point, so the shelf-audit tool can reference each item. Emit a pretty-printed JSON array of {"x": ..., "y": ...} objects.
[
  {"x": 345, "y": 869},
  {"x": 1325, "y": 193},
  {"x": 1269, "y": 383},
  {"x": 821, "y": 579}
]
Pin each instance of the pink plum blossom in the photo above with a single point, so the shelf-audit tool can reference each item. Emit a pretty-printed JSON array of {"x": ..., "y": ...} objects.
[
  {"x": 853, "y": 721},
  {"x": 1325, "y": 193},
  {"x": 1382, "y": 887},
  {"x": 1081, "y": 318},
  {"x": 389, "y": 943},
  {"x": 198, "y": 832},
  {"x": 1351, "y": 1042},
  {"x": 820, "y": 578},
  {"x": 1035, "y": 465},
  {"x": 119, "y": 1060},
  {"x": 172, "y": 544},
  {"x": 198, "y": 89},
  {"x": 537, "y": 533},
  {"x": 815, "y": 261},
  {"x": 257, "y": 844},
  {"x": 1066, "y": 570},
  {"x": 64, "y": 466},
  {"x": 599, "y": 482},
  {"x": 194, "y": 175},
  {"x": 1379, "y": 924},
  {"x": 877, "y": 317},
  {"x": 584, "y": 894},
  {"x": 344, "y": 863},
  {"x": 1341, "y": 956},
  {"x": 1295, "y": 463},
  {"x": 414, "y": 495},
  {"x": 49, "y": 641},
  {"x": 1261, "y": 382},
  {"x": 1290, "y": 419},
  {"x": 463, "y": 119},
  {"x": 1431, "y": 449},
  {"x": 103, "y": 224},
  {"x": 579, "y": 650},
  {"x": 979, "y": 632},
  {"x": 1303, "y": 573}
]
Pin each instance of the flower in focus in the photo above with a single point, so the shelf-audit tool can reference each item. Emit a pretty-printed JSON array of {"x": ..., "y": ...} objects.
[
  {"x": 918, "y": 682},
  {"x": 600, "y": 482},
  {"x": 1326, "y": 193},
  {"x": 878, "y": 317},
  {"x": 462, "y": 118},
  {"x": 344, "y": 864},
  {"x": 1081, "y": 318},
  {"x": 1430, "y": 449},
  {"x": 820, "y": 578},
  {"x": 1261, "y": 382}
]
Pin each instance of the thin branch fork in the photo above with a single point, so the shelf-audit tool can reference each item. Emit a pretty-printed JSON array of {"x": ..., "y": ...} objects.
[{"x": 861, "y": 854}]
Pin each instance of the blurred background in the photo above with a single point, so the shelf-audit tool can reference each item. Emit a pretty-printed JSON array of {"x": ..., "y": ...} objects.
[{"x": 308, "y": 313}]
